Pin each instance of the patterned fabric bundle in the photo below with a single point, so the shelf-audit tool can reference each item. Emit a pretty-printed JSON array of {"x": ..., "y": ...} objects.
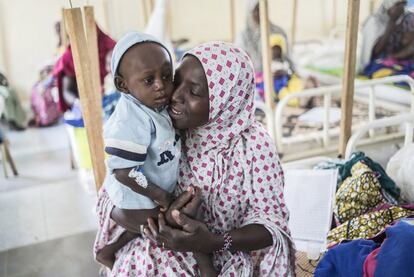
[
  {"x": 358, "y": 194},
  {"x": 367, "y": 225}
]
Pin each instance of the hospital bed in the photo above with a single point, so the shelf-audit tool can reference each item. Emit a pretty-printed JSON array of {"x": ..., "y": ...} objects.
[{"x": 325, "y": 140}]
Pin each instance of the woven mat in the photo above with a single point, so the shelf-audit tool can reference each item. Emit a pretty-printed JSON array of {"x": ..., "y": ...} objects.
[{"x": 304, "y": 267}]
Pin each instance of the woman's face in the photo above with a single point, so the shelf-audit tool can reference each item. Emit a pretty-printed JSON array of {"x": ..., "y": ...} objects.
[
  {"x": 397, "y": 10},
  {"x": 189, "y": 106}
]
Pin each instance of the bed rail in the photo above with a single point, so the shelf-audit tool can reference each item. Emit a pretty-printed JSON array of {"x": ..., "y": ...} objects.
[
  {"x": 326, "y": 134},
  {"x": 407, "y": 119}
]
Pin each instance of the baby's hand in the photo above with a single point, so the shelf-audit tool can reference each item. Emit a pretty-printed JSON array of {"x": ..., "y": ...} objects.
[
  {"x": 164, "y": 199},
  {"x": 192, "y": 208},
  {"x": 180, "y": 204}
]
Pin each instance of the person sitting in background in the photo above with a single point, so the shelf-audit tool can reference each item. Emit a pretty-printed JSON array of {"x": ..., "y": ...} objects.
[
  {"x": 13, "y": 113},
  {"x": 388, "y": 37},
  {"x": 60, "y": 48},
  {"x": 44, "y": 93},
  {"x": 43, "y": 100},
  {"x": 110, "y": 94},
  {"x": 110, "y": 99},
  {"x": 280, "y": 65},
  {"x": 285, "y": 80},
  {"x": 64, "y": 71},
  {"x": 249, "y": 39}
]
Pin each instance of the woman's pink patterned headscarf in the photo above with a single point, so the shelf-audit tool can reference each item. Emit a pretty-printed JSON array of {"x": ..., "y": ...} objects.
[
  {"x": 231, "y": 91},
  {"x": 233, "y": 159}
]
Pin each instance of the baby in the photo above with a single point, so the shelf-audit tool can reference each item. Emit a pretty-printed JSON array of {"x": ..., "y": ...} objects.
[
  {"x": 139, "y": 137},
  {"x": 280, "y": 65}
]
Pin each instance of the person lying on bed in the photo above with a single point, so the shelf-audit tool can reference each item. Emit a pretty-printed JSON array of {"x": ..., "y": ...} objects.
[{"x": 388, "y": 37}]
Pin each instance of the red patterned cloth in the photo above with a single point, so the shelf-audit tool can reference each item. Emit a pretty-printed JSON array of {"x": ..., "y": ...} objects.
[{"x": 235, "y": 163}]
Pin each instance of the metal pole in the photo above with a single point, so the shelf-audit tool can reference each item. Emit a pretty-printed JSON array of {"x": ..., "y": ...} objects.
[
  {"x": 232, "y": 22},
  {"x": 294, "y": 21}
]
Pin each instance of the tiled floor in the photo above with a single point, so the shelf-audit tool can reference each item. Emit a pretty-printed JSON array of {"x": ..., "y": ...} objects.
[
  {"x": 66, "y": 257},
  {"x": 47, "y": 225}
]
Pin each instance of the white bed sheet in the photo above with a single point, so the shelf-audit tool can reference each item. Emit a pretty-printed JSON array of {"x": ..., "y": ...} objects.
[{"x": 390, "y": 93}]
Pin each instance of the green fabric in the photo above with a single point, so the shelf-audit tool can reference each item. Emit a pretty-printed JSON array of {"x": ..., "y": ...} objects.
[
  {"x": 338, "y": 72},
  {"x": 387, "y": 183},
  {"x": 330, "y": 71},
  {"x": 331, "y": 164},
  {"x": 13, "y": 111}
]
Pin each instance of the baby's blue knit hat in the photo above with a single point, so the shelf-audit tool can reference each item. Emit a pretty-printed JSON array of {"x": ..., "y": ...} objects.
[{"x": 126, "y": 42}]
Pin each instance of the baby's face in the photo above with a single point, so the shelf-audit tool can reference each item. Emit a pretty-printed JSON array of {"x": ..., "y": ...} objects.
[
  {"x": 276, "y": 53},
  {"x": 146, "y": 73}
]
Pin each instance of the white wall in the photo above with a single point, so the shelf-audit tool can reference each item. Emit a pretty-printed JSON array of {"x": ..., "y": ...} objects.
[{"x": 27, "y": 36}]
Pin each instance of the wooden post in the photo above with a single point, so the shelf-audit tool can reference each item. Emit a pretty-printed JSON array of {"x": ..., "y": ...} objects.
[
  {"x": 92, "y": 41},
  {"x": 169, "y": 23},
  {"x": 145, "y": 11},
  {"x": 151, "y": 7},
  {"x": 232, "y": 22},
  {"x": 371, "y": 6},
  {"x": 347, "y": 97},
  {"x": 334, "y": 13},
  {"x": 90, "y": 101},
  {"x": 294, "y": 21},
  {"x": 267, "y": 74},
  {"x": 63, "y": 32}
]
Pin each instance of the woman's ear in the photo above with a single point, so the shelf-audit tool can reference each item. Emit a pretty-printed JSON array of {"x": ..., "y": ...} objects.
[{"x": 120, "y": 84}]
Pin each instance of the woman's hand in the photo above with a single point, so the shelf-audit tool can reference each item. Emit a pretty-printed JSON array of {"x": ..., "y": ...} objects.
[
  {"x": 188, "y": 203},
  {"x": 194, "y": 236},
  {"x": 192, "y": 208},
  {"x": 162, "y": 198}
]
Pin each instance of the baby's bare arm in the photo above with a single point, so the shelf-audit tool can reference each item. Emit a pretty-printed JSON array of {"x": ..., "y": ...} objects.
[{"x": 152, "y": 191}]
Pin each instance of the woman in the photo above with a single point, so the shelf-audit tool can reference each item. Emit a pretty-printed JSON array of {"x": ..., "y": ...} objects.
[
  {"x": 231, "y": 159},
  {"x": 64, "y": 71},
  {"x": 249, "y": 39},
  {"x": 387, "y": 38}
]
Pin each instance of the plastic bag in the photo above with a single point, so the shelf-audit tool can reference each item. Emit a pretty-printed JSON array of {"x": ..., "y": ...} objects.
[{"x": 400, "y": 168}]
